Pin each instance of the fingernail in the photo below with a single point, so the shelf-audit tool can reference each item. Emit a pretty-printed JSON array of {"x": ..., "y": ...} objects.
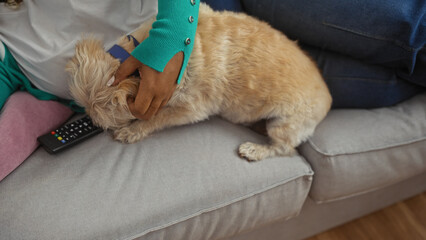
[{"x": 111, "y": 81}]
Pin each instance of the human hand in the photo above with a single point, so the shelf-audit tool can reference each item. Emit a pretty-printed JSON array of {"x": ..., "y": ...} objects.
[{"x": 155, "y": 88}]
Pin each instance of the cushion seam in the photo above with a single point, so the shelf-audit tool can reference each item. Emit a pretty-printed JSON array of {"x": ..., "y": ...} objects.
[
  {"x": 221, "y": 205},
  {"x": 406, "y": 142},
  {"x": 321, "y": 201}
]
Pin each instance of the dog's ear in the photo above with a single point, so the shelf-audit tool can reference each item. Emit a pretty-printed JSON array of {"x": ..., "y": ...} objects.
[
  {"x": 83, "y": 49},
  {"x": 72, "y": 66},
  {"x": 83, "y": 69},
  {"x": 89, "y": 47}
]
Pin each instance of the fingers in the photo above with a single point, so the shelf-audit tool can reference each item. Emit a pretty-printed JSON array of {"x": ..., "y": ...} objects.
[
  {"x": 128, "y": 67},
  {"x": 111, "y": 81},
  {"x": 153, "y": 109},
  {"x": 138, "y": 112},
  {"x": 140, "y": 105},
  {"x": 163, "y": 103},
  {"x": 166, "y": 100},
  {"x": 155, "y": 88}
]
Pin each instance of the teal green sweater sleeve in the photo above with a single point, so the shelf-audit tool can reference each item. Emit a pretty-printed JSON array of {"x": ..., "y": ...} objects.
[{"x": 172, "y": 32}]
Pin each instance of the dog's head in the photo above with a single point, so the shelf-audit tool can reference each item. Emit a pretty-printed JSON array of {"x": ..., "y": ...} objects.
[{"x": 91, "y": 68}]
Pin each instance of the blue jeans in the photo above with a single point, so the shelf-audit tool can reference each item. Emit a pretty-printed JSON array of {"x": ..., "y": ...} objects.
[
  {"x": 230, "y": 5},
  {"x": 371, "y": 53}
]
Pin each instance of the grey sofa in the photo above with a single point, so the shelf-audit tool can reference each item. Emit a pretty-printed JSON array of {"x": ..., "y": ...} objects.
[{"x": 189, "y": 183}]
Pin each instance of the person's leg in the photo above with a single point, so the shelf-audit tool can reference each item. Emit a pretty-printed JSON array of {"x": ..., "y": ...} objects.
[
  {"x": 355, "y": 84},
  {"x": 390, "y": 33},
  {"x": 23, "y": 119},
  {"x": 229, "y": 5},
  {"x": 7, "y": 83}
]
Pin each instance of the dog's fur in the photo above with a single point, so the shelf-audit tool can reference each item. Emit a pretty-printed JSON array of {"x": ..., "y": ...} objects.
[{"x": 240, "y": 68}]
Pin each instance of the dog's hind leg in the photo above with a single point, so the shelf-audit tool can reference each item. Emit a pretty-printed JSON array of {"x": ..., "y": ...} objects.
[
  {"x": 166, "y": 117},
  {"x": 286, "y": 133}
]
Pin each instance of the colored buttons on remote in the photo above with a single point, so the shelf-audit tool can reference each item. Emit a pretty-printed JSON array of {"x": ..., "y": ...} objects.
[
  {"x": 73, "y": 130},
  {"x": 69, "y": 135}
]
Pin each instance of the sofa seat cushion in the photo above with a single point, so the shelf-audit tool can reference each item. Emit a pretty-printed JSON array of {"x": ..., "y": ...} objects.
[
  {"x": 181, "y": 182},
  {"x": 357, "y": 151}
]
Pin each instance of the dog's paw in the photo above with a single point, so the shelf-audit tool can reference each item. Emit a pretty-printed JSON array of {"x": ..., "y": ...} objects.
[
  {"x": 127, "y": 135},
  {"x": 251, "y": 151},
  {"x": 257, "y": 152}
]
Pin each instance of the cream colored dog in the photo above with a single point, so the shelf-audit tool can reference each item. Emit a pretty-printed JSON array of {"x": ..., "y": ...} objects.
[{"x": 240, "y": 68}]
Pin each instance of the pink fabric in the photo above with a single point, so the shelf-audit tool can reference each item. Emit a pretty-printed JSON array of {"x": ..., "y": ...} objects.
[{"x": 24, "y": 118}]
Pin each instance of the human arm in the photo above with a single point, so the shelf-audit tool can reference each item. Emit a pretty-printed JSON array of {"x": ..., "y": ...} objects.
[{"x": 162, "y": 57}]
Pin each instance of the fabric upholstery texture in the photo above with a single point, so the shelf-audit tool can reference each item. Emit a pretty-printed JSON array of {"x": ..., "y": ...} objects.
[
  {"x": 103, "y": 189},
  {"x": 356, "y": 151},
  {"x": 315, "y": 218}
]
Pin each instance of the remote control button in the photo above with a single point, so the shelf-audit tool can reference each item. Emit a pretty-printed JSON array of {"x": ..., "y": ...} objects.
[
  {"x": 59, "y": 138},
  {"x": 63, "y": 141},
  {"x": 56, "y": 135},
  {"x": 53, "y": 132}
]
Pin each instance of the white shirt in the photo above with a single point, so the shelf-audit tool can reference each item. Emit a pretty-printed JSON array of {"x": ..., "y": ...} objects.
[{"x": 41, "y": 34}]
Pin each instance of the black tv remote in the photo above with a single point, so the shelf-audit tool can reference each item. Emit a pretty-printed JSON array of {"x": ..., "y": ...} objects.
[{"x": 68, "y": 135}]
